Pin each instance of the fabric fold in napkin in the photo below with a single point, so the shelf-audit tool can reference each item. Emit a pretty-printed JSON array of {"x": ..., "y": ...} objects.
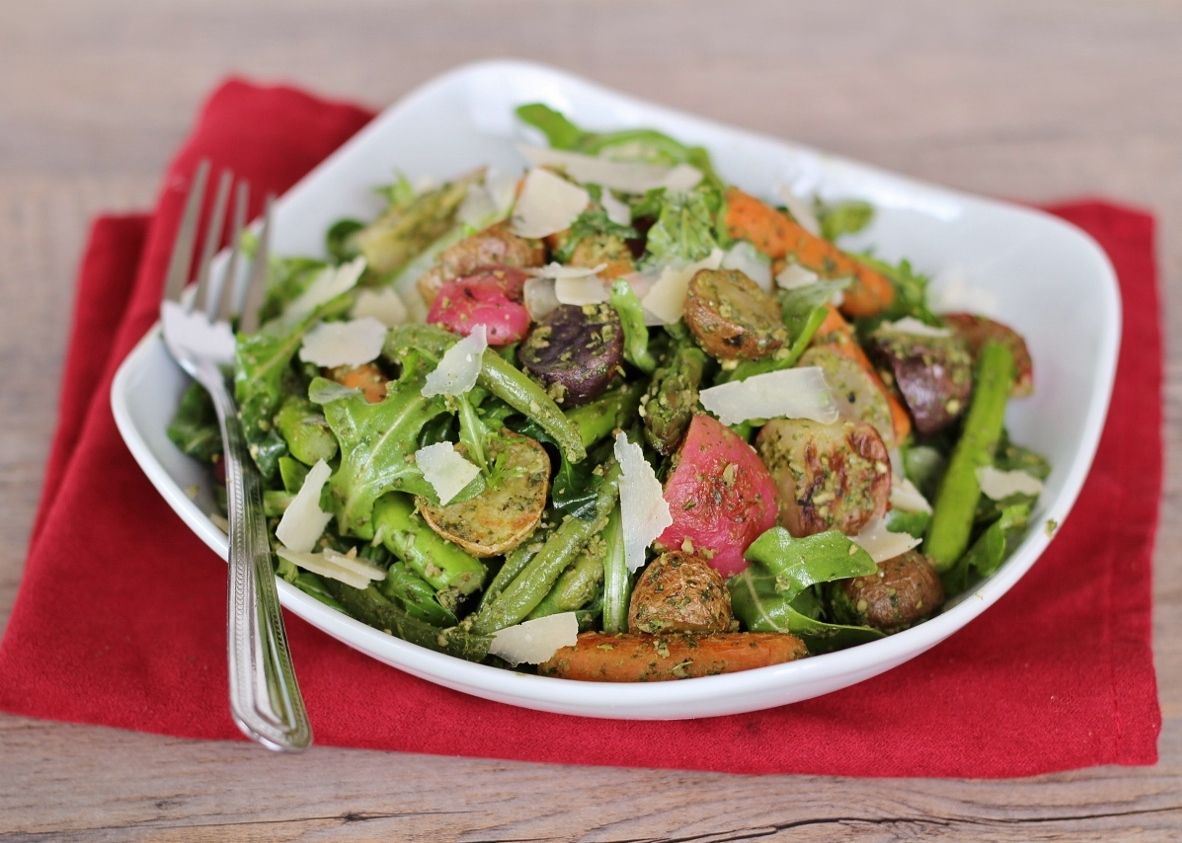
[{"x": 120, "y": 619}]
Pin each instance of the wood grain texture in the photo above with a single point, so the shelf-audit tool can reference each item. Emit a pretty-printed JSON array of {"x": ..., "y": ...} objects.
[{"x": 1030, "y": 101}]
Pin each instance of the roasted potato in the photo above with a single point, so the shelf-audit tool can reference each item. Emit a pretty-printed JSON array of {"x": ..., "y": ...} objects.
[
  {"x": 934, "y": 374},
  {"x": 905, "y": 590},
  {"x": 495, "y": 246},
  {"x": 975, "y": 330},
  {"x": 679, "y": 592},
  {"x": 858, "y": 394},
  {"x": 594, "y": 250},
  {"x": 575, "y": 351},
  {"x": 828, "y": 476},
  {"x": 731, "y": 317}
]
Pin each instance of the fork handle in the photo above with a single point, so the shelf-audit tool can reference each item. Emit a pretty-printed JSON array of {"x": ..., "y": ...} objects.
[{"x": 265, "y": 699}]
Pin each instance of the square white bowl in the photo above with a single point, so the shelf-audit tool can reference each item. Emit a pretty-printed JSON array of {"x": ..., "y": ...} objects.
[{"x": 1040, "y": 275}]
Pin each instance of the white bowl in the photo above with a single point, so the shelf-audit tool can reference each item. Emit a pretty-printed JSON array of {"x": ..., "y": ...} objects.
[{"x": 1039, "y": 274}]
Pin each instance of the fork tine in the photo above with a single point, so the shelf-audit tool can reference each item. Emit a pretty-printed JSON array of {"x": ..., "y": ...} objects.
[
  {"x": 219, "y": 300},
  {"x": 182, "y": 247},
  {"x": 213, "y": 236},
  {"x": 250, "y": 296}
]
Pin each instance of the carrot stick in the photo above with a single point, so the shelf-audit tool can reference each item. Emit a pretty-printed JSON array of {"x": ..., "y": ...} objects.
[
  {"x": 838, "y": 334},
  {"x": 638, "y": 657},
  {"x": 779, "y": 236}
]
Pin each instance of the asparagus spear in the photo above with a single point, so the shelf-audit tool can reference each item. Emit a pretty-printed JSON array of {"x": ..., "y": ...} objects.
[
  {"x": 672, "y": 395},
  {"x": 960, "y": 491},
  {"x": 302, "y": 426}
]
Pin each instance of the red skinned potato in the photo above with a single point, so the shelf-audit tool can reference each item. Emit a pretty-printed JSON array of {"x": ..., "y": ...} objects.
[
  {"x": 720, "y": 495},
  {"x": 489, "y": 298},
  {"x": 495, "y": 246}
]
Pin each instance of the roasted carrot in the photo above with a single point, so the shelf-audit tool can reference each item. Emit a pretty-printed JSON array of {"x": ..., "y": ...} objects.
[
  {"x": 779, "y": 236},
  {"x": 366, "y": 377},
  {"x": 639, "y": 657},
  {"x": 838, "y": 334}
]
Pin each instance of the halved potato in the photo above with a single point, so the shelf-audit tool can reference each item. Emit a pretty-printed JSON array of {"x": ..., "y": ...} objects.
[{"x": 508, "y": 510}]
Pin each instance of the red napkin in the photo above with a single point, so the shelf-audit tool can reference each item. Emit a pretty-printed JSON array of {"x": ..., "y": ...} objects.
[{"x": 121, "y": 615}]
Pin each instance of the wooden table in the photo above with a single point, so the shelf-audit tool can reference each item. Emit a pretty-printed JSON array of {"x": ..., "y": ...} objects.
[{"x": 1033, "y": 101}]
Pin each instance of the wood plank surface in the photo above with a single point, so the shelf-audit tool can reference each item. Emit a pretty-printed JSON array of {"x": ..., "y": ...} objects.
[{"x": 1034, "y": 101}]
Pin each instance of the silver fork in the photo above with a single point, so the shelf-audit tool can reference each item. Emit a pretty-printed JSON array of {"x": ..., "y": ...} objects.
[{"x": 264, "y": 697}]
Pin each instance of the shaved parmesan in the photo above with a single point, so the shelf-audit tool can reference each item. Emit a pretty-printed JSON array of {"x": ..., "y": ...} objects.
[
  {"x": 753, "y": 263},
  {"x": 625, "y": 176},
  {"x": 303, "y": 521},
  {"x": 557, "y": 270},
  {"x": 533, "y": 642},
  {"x": 643, "y": 509},
  {"x": 794, "y": 276},
  {"x": 911, "y": 325},
  {"x": 800, "y": 393},
  {"x": 999, "y": 485},
  {"x": 330, "y": 283},
  {"x": 547, "y": 204},
  {"x": 193, "y": 332},
  {"x": 445, "y": 469},
  {"x": 617, "y": 211},
  {"x": 588, "y": 289},
  {"x": 952, "y": 289},
  {"x": 459, "y": 367},
  {"x": 383, "y": 304},
  {"x": 332, "y": 344},
  {"x": 801, "y": 211},
  {"x": 881, "y": 543},
  {"x": 477, "y": 206},
  {"x": 343, "y": 567},
  {"x": 539, "y": 297},
  {"x": 906, "y": 497},
  {"x": 666, "y": 298}
]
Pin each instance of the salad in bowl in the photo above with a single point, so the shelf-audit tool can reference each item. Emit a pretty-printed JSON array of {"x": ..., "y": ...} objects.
[{"x": 614, "y": 419}]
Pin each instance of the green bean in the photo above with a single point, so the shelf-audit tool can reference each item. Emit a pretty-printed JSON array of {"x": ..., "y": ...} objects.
[
  {"x": 617, "y": 580},
  {"x": 302, "y": 426},
  {"x": 577, "y": 586},
  {"x": 672, "y": 395},
  {"x": 448, "y": 569},
  {"x": 514, "y": 564},
  {"x": 614, "y": 409},
  {"x": 956, "y": 501},
  {"x": 534, "y": 582}
]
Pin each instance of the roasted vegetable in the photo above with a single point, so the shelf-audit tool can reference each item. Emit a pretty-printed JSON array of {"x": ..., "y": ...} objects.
[
  {"x": 639, "y": 657},
  {"x": 934, "y": 374},
  {"x": 903, "y": 591},
  {"x": 575, "y": 352},
  {"x": 490, "y": 298},
  {"x": 496, "y": 246},
  {"x": 720, "y": 496},
  {"x": 367, "y": 377},
  {"x": 857, "y": 392},
  {"x": 450, "y": 571},
  {"x": 679, "y": 592},
  {"x": 835, "y": 476},
  {"x": 731, "y": 317},
  {"x": 303, "y": 428},
  {"x": 977, "y": 330},
  {"x": 510, "y": 507},
  {"x": 672, "y": 395}
]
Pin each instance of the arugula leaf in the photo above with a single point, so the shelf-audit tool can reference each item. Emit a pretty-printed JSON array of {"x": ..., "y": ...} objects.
[
  {"x": 631, "y": 314},
  {"x": 560, "y": 133},
  {"x": 262, "y": 363},
  {"x": 911, "y": 293},
  {"x": 992, "y": 547},
  {"x": 194, "y": 427},
  {"x": 377, "y": 442},
  {"x": 287, "y": 278},
  {"x": 686, "y": 227},
  {"x": 840, "y": 218},
  {"x": 774, "y": 593}
]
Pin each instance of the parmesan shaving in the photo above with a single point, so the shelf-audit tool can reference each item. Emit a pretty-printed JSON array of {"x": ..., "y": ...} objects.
[
  {"x": 753, "y": 263},
  {"x": 330, "y": 283},
  {"x": 343, "y": 567},
  {"x": 303, "y": 521},
  {"x": 911, "y": 325},
  {"x": 539, "y": 297},
  {"x": 547, "y": 204},
  {"x": 477, "y": 206},
  {"x": 801, "y": 211},
  {"x": 794, "y": 276},
  {"x": 445, "y": 469},
  {"x": 617, "y": 211},
  {"x": 666, "y": 298},
  {"x": 533, "y": 642},
  {"x": 383, "y": 304},
  {"x": 557, "y": 271},
  {"x": 881, "y": 543},
  {"x": 999, "y": 485},
  {"x": 588, "y": 289},
  {"x": 643, "y": 509},
  {"x": 800, "y": 393},
  {"x": 194, "y": 332},
  {"x": 332, "y": 344},
  {"x": 459, "y": 367},
  {"x": 624, "y": 176},
  {"x": 906, "y": 497}
]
